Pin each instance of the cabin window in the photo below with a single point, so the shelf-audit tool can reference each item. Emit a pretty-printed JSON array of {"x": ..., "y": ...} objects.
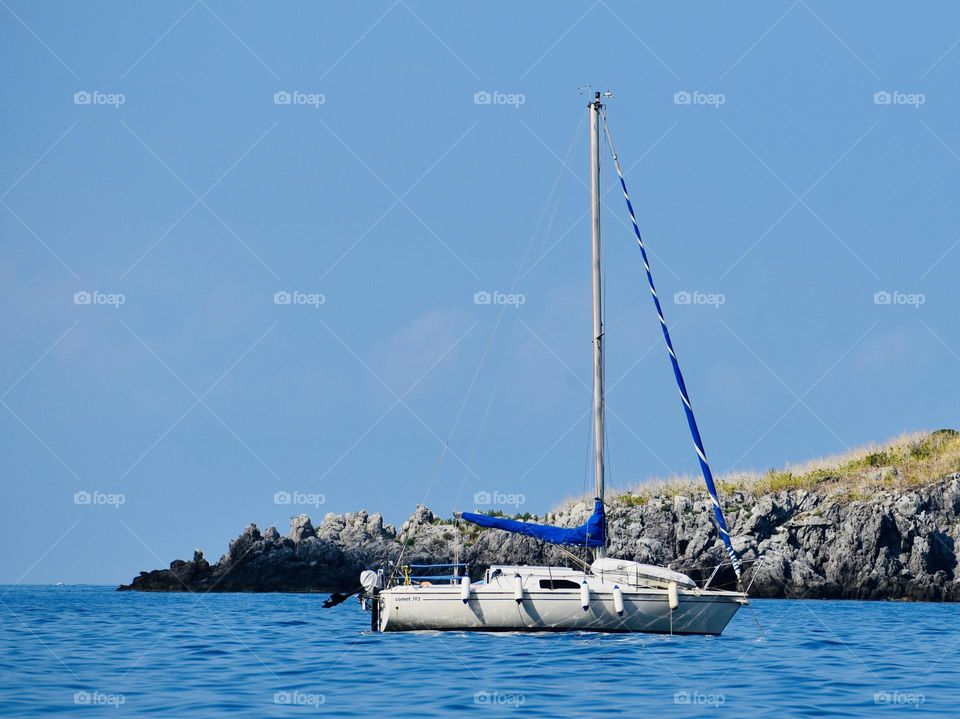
[{"x": 558, "y": 584}]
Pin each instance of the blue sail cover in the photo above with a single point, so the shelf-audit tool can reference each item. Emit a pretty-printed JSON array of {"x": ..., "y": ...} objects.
[{"x": 592, "y": 533}]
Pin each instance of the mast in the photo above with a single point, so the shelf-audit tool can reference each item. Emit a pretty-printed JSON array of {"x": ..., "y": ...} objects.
[{"x": 598, "y": 396}]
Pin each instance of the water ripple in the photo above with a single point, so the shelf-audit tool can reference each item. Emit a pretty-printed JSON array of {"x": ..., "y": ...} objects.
[{"x": 95, "y": 652}]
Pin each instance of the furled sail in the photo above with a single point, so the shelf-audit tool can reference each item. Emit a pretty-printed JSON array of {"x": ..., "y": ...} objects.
[
  {"x": 592, "y": 533},
  {"x": 684, "y": 396}
]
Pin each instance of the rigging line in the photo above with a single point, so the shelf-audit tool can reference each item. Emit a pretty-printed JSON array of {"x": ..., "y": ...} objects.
[
  {"x": 489, "y": 343},
  {"x": 406, "y": 540},
  {"x": 553, "y": 189},
  {"x": 463, "y": 404},
  {"x": 533, "y": 274},
  {"x": 483, "y": 358},
  {"x": 573, "y": 556},
  {"x": 608, "y": 463},
  {"x": 516, "y": 280},
  {"x": 693, "y": 567},
  {"x": 585, "y": 489},
  {"x": 754, "y": 575},
  {"x": 678, "y": 375}
]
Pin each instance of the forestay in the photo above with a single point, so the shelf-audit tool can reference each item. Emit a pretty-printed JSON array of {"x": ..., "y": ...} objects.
[{"x": 684, "y": 396}]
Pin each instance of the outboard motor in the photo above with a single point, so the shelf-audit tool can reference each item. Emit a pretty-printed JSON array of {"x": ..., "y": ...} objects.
[{"x": 372, "y": 583}]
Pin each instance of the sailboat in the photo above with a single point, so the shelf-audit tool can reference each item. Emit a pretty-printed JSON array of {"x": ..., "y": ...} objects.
[{"x": 609, "y": 594}]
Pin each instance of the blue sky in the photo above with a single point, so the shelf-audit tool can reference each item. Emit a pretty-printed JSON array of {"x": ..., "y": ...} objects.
[{"x": 780, "y": 200}]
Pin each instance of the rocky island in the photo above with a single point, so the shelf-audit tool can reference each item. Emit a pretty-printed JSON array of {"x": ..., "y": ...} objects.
[{"x": 879, "y": 523}]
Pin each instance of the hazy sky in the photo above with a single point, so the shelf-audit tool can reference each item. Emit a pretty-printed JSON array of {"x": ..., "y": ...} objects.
[{"x": 150, "y": 163}]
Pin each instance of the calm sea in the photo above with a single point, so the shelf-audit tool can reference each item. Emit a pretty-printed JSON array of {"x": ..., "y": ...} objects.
[{"x": 91, "y": 651}]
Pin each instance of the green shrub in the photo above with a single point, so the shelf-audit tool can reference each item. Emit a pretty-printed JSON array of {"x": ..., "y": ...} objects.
[{"x": 632, "y": 500}]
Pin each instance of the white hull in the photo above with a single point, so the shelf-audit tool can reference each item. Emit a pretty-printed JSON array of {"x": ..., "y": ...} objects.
[{"x": 493, "y": 606}]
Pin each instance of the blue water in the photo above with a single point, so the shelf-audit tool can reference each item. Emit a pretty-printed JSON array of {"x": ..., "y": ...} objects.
[{"x": 91, "y": 651}]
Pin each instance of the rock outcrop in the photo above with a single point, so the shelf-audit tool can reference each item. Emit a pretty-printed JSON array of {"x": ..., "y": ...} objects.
[{"x": 797, "y": 542}]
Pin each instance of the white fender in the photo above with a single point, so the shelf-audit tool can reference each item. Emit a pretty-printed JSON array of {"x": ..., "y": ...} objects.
[
  {"x": 673, "y": 597},
  {"x": 518, "y": 588},
  {"x": 584, "y": 595},
  {"x": 465, "y": 589},
  {"x": 618, "y": 600}
]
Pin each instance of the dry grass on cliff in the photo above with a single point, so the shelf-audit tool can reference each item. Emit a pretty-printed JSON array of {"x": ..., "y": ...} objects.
[{"x": 911, "y": 460}]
